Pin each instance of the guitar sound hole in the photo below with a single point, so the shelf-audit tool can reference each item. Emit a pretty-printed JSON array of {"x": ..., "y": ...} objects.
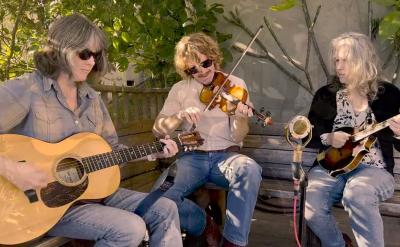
[{"x": 70, "y": 172}]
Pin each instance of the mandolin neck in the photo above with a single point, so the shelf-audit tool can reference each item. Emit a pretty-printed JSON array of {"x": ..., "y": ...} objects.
[{"x": 371, "y": 130}]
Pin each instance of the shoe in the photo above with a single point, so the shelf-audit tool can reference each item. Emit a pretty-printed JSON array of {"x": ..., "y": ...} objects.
[
  {"x": 347, "y": 240},
  {"x": 212, "y": 233},
  {"x": 226, "y": 243}
]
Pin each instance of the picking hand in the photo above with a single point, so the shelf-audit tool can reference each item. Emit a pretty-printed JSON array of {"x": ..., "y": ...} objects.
[
  {"x": 191, "y": 115},
  {"x": 338, "y": 139},
  {"x": 25, "y": 175}
]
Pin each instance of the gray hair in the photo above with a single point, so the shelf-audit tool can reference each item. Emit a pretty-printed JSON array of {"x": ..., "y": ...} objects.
[
  {"x": 67, "y": 35},
  {"x": 365, "y": 70}
]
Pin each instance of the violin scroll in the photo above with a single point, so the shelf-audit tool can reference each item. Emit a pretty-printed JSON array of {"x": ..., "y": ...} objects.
[{"x": 264, "y": 118}]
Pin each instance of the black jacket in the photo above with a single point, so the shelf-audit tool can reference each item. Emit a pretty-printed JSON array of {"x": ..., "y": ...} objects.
[{"x": 386, "y": 104}]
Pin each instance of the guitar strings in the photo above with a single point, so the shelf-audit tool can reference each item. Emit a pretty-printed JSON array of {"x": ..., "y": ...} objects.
[
  {"x": 97, "y": 157},
  {"x": 73, "y": 164}
]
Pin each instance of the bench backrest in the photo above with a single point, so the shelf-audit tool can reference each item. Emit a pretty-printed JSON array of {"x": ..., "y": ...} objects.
[{"x": 270, "y": 149}]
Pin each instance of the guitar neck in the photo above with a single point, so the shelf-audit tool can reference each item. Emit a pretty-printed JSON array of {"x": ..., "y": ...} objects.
[
  {"x": 120, "y": 156},
  {"x": 373, "y": 129}
]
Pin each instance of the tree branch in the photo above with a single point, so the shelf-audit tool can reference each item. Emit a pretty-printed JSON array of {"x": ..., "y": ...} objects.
[
  {"x": 21, "y": 9},
  {"x": 310, "y": 26},
  {"x": 285, "y": 53},
  {"x": 298, "y": 66},
  {"x": 235, "y": 20},
  {"x": 389, "y": 58}
]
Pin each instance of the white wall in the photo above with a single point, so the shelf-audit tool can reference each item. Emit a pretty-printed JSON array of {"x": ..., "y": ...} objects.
[{"x": 268, "y": 86}]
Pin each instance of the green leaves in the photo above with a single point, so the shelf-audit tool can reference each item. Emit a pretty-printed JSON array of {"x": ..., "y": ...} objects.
[
  {"x": 142, "y": 32},
  {"x": 285, "y": 5},
  {"x": 390, "y": 24},
  {"x": 387, "y": 3}
]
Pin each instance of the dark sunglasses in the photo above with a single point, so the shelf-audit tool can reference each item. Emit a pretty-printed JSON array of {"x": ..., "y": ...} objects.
[
  {"x": 86, "y": 54},
  {"x": 193, "y": 70}
]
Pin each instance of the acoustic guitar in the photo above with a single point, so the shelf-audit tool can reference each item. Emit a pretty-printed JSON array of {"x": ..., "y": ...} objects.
[
  {"x": 81, "y": 167},
  {"x": 345, "y": 159}
]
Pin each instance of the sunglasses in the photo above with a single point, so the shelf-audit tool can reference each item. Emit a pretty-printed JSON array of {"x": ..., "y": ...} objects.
[
  {"x": 87, "y": 54},
  {"x": 193, "y": 70}
]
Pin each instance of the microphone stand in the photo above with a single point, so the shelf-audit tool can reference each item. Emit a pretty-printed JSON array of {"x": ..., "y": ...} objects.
[{"x": 300, "y": 180}]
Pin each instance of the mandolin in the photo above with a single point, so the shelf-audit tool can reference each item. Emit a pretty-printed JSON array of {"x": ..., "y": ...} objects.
[
  {"x": 81, "y": 167},
  {"x": 345, "y": 159}
]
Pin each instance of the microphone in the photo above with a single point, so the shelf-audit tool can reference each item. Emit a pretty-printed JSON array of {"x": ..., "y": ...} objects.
[{"x": 298, "y": 128}]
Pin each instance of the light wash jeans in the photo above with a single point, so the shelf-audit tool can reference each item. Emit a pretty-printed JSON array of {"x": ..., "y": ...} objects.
[
  {"x": 360, "y": 192},
  {"x": 114, "y": 224},
  {"x": 238, "y": 173}
]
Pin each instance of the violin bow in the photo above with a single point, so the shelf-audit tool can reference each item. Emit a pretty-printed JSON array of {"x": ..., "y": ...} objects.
[
  {"x": 233, "y": 69},
  {"x": 230, "y": 73}
]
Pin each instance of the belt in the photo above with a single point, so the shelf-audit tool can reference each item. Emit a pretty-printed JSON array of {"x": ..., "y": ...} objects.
[{"x": 230, "y": 149}]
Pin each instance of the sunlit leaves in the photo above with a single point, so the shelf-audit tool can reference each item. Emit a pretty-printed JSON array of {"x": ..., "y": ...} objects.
[
  {"x": 388, "y": 3},
  {"x": 390, "y": 24},
  {"x": 284, "y": 5},
  {"x": 142, "y": 32}
]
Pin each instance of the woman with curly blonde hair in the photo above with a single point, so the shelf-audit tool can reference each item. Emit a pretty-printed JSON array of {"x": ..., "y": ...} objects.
[{"x": 356, "y": 98}]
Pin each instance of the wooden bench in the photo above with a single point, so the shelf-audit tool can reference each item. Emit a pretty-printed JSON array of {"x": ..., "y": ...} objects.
[{"x": 269, "y": 148}]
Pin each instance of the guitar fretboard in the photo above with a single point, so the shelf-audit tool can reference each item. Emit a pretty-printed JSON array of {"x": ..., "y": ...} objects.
[{"x": 105, "y": 160}]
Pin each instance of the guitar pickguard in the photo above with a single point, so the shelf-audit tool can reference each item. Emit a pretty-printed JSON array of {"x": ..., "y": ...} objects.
[{"x": 56, "y": 194}]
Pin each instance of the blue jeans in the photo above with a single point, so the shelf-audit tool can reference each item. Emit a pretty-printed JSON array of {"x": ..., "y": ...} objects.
[
  {"x": 238, "y": 173},
  {"x": 114, "y": 224},
  {"x": 360, "y": 192}
]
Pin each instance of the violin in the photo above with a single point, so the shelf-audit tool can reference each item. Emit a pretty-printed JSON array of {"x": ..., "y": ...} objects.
[{"x": 230, "y": 96}]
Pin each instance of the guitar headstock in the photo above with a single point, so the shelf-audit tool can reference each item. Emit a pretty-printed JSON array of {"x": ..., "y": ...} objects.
[{"x": 189, "y": 140}]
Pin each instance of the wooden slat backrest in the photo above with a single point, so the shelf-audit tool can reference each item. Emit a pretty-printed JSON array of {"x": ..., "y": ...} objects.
[{"x": 269, "y": 148}]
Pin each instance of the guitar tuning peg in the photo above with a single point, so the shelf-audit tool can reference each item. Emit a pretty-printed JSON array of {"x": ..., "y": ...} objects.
[
  {"x": 262, "y": 109},
  {"x": 185, "y": 148}
]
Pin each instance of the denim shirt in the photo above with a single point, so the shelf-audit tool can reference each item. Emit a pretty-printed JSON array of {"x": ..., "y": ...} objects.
[{"x": 33, "y": 105}]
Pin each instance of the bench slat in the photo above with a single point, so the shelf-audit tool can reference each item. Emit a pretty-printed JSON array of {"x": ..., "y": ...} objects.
[{"x": 51, "y": 242}]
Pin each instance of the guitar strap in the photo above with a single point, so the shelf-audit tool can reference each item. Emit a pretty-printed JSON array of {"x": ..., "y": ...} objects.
[{"x": 153, "y": 196}]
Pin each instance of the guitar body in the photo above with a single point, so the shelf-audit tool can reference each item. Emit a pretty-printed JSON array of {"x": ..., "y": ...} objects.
[{"x": 21, "y": 220}]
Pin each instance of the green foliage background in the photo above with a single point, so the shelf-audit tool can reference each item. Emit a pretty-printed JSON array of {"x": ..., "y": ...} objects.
[{"x": 143, "y": 32}]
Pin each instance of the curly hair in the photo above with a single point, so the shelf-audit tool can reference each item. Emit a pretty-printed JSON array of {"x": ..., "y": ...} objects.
[
  {"x": 68, "y": 35},
  {"x": 188, "y": 49},
  {"x": 363, "y": 61}
]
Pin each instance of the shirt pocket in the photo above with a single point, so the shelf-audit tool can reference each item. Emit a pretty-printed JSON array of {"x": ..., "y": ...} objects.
[
  {"x": 51, "y": 126},
  {"x": 92, "y": 120}
]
